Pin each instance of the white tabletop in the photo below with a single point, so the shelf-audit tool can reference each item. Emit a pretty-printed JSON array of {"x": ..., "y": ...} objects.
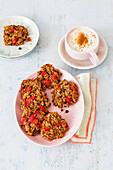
[{"x": 54, "y": 18}]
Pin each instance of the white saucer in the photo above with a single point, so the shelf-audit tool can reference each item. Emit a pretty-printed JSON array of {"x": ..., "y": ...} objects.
[
  {"x": 82, "y": 64},
  {"x": 11, "y": 52}
]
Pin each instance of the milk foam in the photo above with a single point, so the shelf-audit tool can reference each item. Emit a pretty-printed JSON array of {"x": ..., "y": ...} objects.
[{"x": 72, "y": 40}]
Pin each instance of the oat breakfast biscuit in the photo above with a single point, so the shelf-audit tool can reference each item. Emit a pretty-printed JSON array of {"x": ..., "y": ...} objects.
[
  {"x": 49, "y": 76},
  {"x": 15, "y": 35},
  {"x": 54, "y": 126},
  {"x": 65, "y": 94}
]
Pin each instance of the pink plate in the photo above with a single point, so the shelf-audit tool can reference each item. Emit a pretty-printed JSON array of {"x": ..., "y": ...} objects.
[{"x": 73, "y": 117}]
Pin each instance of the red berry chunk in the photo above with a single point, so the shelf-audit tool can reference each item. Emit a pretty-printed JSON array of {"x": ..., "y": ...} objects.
[
  {"x": 21, "y": 87},
  {"x": 28, "y": 39},
  {"x": 73, "y": 88},
  {"x": 66, "y": 125},
  {"x": 14, "y": 41},
  {"x": 47, "y": 82},
  {"x": 57, "y": 88},
  {"x": 28, "y": 102},
  {"x": 28, "y": 89},
  {"x": 32, "y": 116},
  {"x": 68, "y": 99},
  {"x": 35, "y": 121},
  {"x": 40, "y": 125},
  {"x": 59, "y": 124},
  {"x": 47, "y": 128},
  {"x": 41, "y": 107},
  {"x": 37, "y": 112},
  {"x": 32, "y": 97},
  {"x": 12, "y": 30},
  {"x": 54, "y": 77},
  {"x": 23, "y": 120},
  {"x": 44, "y": 73},
  {"x": 25, "y": 102}
]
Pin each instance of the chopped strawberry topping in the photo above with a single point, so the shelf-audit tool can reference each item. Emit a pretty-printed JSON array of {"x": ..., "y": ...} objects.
[
  {"x": 66, "y": 125},
  {"x": 23, "y": 120},
  {"x": 28, "y": 89},
  {"x": 14, "y": 41},
  {"x": 32, "y": 116},
  {"x": 32, "y": 97},
  {"x": 12, "y": 30},
  {"x": 35, "y": 121},
  {"x": 44, "y": 73},
  {"x": 47, "y": 128},
  {"x": 37, "y": 112},
  {"x": 54, "y": 125},
  {"x": 41, "y": 107},
  {"x": 54, "y": 77},
  {"x": 27, "y": 102},
  {"x": 21, "y": 87},
  {"x": 73, "y": 88},
  {"x": 68, "y": 99},
  {"x": 47, "y": 82},
  {"x": 28, "y": 39},
  {"x": 40, "y": 125},
  {"x": 57, "y": 88},
  {"x": 59, "y": 124}
]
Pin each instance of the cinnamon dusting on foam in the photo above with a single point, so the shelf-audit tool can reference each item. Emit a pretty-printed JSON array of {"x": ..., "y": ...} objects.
[{"x": 82, "y": 39}]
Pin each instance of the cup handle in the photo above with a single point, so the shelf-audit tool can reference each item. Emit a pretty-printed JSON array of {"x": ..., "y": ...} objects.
[{"x": 94, "y": 58}]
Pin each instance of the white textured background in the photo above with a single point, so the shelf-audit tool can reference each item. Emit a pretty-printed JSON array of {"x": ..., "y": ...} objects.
[{"x": 54, "y": 18}]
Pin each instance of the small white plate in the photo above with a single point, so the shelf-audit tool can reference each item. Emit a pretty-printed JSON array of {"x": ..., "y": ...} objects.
[
  {"x": 11, "y": 52},
  {"x": 82, "y": 64}
]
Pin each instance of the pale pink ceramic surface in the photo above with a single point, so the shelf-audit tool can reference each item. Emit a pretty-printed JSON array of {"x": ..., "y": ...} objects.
[
  {"x": 74, "y": 117},
  {"x": 83, "y": 64},
  {"x": 91, "y": 54}
]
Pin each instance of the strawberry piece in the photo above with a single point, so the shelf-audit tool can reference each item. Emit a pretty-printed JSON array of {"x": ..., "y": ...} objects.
[
  {"x": 28, "y": 39},
  {"x": 41, "y": 107},
  {"x": 54, "y": 77},
  {"x": 28, "y": 102},
  {"x": 32, "y": 97},
  {"x": 40, "y": 125},
  {"x": 12, "y": 30},
  {"x": 66, "y": 125},
  {"x": 73, "y": 88},
  {"x": 59, "y": 124},
  {"x": 32, "y": 116},
  {"x": 28, "y": 89},
  {"x": 44, "y": 73},
  {"x": 68, "y": 99},
  {"x": 21, "y": 87},
  {"x": 47, "y": 82},
  {"x": 14, "y": 41},
  {"x": 57, "y": 88},
  {"x": 47, "y": 128},
  {"x": 35, "y": 121},
  {"x": 25, "y": 102},
  {"x": 54, "y": 125},
  {"x": 23, "y": 120},
  {"x": 37, "y": 112}
]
